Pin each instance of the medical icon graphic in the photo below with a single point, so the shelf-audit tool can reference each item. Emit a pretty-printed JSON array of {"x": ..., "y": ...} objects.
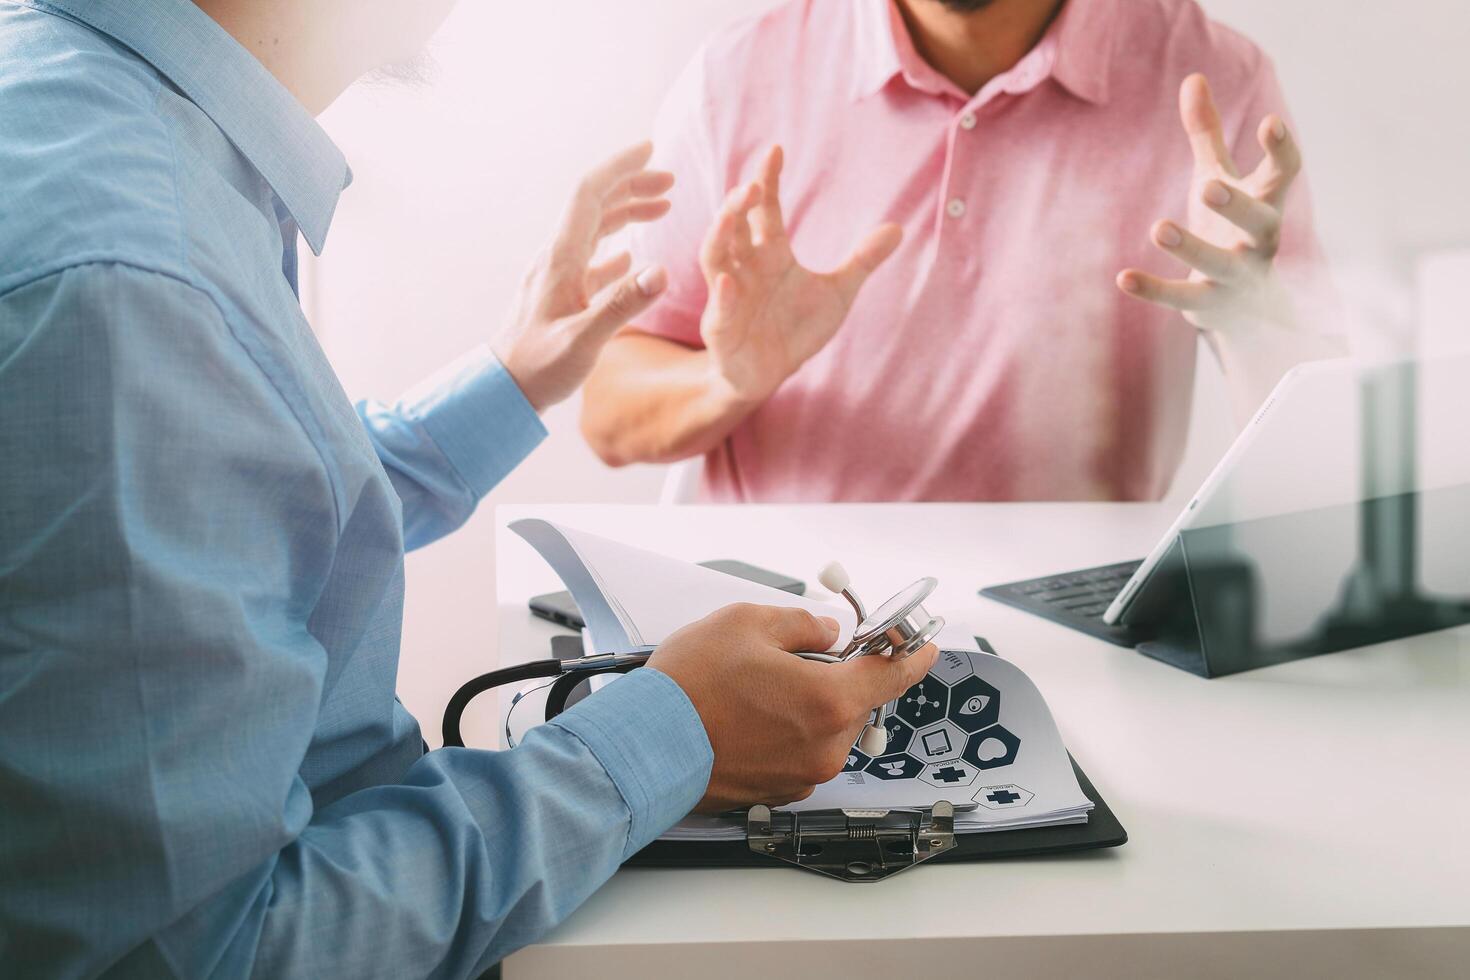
[
  {"x": 1004, "y": 797},
  {"x": 943, "y": 730},
  {"x": 974, "y": 704},
  {"x": 924, "y": 702},
  {"x": 896, "y": 766},
  {"x": 937, "y": 742},
  {"x": 949, "y": 775},
  {"x": 992, "y": 748},
  {"x": 899, "y": 734}
]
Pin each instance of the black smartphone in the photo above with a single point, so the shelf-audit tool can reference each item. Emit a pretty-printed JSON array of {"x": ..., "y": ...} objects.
[{"x": 560, "y": 609}]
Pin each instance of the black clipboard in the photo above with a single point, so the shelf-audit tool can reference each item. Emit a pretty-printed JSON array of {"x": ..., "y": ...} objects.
[{"x": 1102, "y": 829}]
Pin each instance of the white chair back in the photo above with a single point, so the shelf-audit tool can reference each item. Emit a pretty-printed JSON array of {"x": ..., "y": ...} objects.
[{"x": 681, "y": 485}]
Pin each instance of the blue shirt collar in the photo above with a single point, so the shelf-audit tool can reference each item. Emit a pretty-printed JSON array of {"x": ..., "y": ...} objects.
[{"x": 265, "y": 122}]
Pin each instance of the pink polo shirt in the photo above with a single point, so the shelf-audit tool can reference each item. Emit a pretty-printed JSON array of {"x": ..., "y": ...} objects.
[{"x": 992, "y": 357}]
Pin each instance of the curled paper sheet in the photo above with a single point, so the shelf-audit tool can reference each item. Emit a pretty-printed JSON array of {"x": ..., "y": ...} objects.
[{"x": 631, "y": 598}]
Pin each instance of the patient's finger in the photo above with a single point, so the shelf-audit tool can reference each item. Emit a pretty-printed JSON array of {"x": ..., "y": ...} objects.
[
  {"x": 767, "y": 219},
  {"x": 715, "y": 254},
  {"x": 1176, "y": 294},
  {"x": 865, "y": 259},
  {"x": 1260, "y": 221},
  {"x": 1215, "y": 262},
  {"x": 724, "y": 299},
  {"x": 742, "y": 246},
  {"x": 1202, "y": 124},
  {"x": 1276, "y": 173}
]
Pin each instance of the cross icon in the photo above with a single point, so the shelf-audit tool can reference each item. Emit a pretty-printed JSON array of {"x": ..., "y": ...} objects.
[
  {"x": 949, "y": 774},
  {"x": 1003, "y": 796}
]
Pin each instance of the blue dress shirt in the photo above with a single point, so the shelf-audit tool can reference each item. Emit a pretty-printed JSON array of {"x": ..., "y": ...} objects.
[{"x": 203, "y": 769}]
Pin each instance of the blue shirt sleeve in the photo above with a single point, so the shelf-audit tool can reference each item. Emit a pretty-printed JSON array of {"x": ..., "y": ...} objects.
[
  {"x": 160, "y": 510},
  {"x": 451, "y": 439}
]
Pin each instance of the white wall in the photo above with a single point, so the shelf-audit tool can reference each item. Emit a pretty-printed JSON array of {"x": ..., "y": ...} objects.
[{"x": 457, "y": 184}]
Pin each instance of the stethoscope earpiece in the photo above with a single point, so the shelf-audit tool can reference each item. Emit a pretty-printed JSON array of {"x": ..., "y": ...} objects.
[
  {"x": 874, "y": 740},
  {"x": 834, "y": 578}
]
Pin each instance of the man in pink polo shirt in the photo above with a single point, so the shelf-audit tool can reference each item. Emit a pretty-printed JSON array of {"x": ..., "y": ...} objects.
[{"x": 1008, "y": 324}]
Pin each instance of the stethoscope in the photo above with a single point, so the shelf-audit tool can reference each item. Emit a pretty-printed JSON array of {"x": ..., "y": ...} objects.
[{"x": 897, "y": 629}]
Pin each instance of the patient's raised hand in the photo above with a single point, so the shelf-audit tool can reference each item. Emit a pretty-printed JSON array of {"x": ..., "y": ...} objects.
[
  {"x": 767, "y": 313},
  {"x": 1234, "y": 227}
]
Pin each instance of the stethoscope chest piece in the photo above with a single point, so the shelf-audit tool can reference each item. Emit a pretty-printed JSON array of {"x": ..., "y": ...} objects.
[{"x": 899, "y": 627}]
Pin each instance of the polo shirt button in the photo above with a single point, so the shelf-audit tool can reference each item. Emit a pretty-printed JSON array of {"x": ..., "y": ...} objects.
[
  {"x": 955, "y": 208},
  {"x": 967, "y": 121}
]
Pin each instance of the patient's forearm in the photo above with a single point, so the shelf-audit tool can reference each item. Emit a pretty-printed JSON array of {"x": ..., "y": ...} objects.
[{"x": 651, "y": 400}]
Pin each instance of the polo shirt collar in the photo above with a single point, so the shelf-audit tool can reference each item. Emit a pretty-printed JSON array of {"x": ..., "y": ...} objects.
[
  {"x": 1076, "y": 51},
  {"x": 1084, "y": 32},
  {"x": 259, "y": 116},
  {"x": 879, "y": 27}
]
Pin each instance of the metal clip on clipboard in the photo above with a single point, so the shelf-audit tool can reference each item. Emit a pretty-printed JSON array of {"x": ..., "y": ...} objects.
[{"x": 852, "y": 845}]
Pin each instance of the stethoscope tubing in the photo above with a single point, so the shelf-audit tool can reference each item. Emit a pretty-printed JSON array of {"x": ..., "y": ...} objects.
[
  {"x": 475, "y": 686},
  {"x": 568, "y": 674}
]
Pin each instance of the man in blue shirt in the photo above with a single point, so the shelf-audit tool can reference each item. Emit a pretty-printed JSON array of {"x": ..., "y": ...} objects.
[{"x": 203, "y": 769}]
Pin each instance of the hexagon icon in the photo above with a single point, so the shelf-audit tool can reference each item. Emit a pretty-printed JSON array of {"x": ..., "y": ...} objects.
[
  {"x": 974, "y": 704},
  {"x": 924, "y": 703},
  {"x": 895, "y": 765},
  {"x": 992, "y": 748},
  {"x": 938, "y": 743},
  {"x": 947, "y": 775},
  {"x": 856, "y": 761},
  {"x": 899, "y": 734},
  {"x": 952, "y": 667},
  {"x": 1008, "y": 796}
]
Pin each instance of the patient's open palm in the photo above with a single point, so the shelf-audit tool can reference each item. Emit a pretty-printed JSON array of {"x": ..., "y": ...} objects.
[
  {"x": 1234, "y": 227},
  {"x": 767, "y": 314}
]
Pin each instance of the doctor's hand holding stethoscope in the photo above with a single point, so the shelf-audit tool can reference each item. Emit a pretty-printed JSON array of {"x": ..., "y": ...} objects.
[{"x": 779, "y": 725}]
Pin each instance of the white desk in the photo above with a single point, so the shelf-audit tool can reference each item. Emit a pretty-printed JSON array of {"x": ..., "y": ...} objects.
[{"x": 1300, "y": 821}]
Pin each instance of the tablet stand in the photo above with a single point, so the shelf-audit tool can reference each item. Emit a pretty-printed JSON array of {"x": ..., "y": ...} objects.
[{"x": 1240, "y": 596}]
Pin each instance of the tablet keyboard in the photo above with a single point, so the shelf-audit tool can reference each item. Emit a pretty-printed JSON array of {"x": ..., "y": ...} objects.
[
  {"x": 1076, "y": 599},
  {"x": 1087, "y": 593}
]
